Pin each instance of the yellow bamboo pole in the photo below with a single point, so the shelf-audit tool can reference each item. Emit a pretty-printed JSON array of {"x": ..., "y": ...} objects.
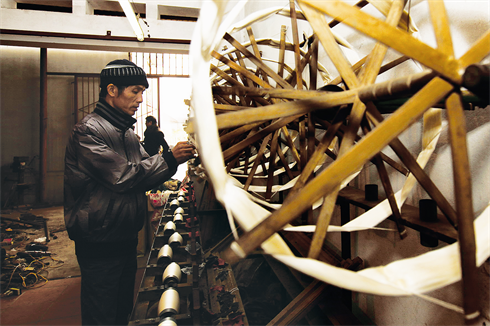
[
  {"x": 297, "y": 55},
  {"x": 282, "y": 50}
]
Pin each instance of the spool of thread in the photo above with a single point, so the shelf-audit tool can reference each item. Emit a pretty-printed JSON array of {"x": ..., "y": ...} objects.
[
  {"x": 174, "y": 203},
  {"x": 178, "y": 218},
  {"x": 172, "y": 274},
  {"x": 169, "y": 303},
  {"x": 169, "y": 228},
  {"x": 175, "y": 240},
  {"x": 165, "y": 255}
]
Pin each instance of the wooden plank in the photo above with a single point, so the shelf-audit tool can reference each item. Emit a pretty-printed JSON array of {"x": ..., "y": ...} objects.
[
  {"x": 441, "y": 230},
  {"x": 301, "y": 243},
  {"x": 301, "y": 305}
]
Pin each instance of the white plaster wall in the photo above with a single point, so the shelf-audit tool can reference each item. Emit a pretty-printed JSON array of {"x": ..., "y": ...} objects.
[
  {"x": 60, "y": 107},
  {"x": 19, "y": 103},
  {"x": 19, "y": 113}
]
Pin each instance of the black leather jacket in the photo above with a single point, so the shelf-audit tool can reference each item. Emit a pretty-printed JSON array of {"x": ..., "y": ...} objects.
[{"x": 107, "y": 173}]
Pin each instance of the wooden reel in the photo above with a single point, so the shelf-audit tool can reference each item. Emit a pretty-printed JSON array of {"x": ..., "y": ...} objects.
[{"x": 262, "y": 106}]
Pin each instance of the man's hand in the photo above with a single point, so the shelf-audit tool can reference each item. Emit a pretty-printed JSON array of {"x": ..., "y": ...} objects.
[{"x": 183, "y": 152}]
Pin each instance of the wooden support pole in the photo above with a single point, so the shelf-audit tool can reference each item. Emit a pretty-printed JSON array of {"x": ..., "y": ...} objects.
[
  {"x": 345, "y": 240},
  {"x": 43, "y": 129},
  {"x": 464, "y": 207}
]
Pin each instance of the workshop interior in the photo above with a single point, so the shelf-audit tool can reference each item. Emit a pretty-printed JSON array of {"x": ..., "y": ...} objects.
[{"x": 341, "y": 173}]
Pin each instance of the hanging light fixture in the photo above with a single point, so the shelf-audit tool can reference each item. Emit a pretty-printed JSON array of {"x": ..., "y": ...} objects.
[{"x": 128, "y": 11}]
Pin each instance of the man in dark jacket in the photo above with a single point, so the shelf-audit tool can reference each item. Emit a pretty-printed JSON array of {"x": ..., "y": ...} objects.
[
  {"x": 107, "y": 173},
  {"x": 154, "y": 137}
]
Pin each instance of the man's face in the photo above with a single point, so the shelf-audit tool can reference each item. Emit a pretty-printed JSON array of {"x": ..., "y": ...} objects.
[{"x": 129, "y": 99}]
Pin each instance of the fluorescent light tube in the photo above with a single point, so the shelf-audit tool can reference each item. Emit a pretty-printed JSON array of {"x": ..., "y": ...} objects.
[{"x": 128, "y": 11}]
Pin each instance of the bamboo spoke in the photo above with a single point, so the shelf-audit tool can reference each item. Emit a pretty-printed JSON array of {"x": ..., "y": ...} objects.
[
  {"x": 230, "y": 152},
  {"x": 290, "y": 142},
  {"x": 327, "y": 39},
  {"x": 479, "y": 50},
  {"x": 257, "y": 161},
  {"x": 390, "y": 36},
  {"x": 297, "y": 56},
  {"x": 440, "y": 22},
  {"x": 284, "y": 162},
  {"x": 282, "y": 50},
  {"x": 256, "y": 61},
  {"x": 272, "y": 164}
]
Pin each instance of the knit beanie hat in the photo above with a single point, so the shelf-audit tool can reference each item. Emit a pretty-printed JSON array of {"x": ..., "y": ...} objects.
[{"x": 122, "y": 73}]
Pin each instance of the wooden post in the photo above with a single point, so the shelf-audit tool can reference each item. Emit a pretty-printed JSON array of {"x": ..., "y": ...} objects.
[
  {"x": 43, "y": 119},
  {"x": 345, "y": 240},
  {"x": 464, "y": 207}
]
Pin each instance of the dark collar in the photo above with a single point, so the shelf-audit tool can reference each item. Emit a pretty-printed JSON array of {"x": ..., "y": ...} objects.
[{"x": 117, "y": 118}]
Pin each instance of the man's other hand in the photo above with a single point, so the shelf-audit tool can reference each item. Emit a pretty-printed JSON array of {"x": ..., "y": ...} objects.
[{"x": 183, "y": 152}]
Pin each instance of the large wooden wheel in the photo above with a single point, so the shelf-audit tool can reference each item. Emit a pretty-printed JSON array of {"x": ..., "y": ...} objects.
[{"x": 275, "y": 124}]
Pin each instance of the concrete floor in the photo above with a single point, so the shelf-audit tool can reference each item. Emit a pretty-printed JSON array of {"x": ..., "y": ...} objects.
[{"x": 57, "y": 300}]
